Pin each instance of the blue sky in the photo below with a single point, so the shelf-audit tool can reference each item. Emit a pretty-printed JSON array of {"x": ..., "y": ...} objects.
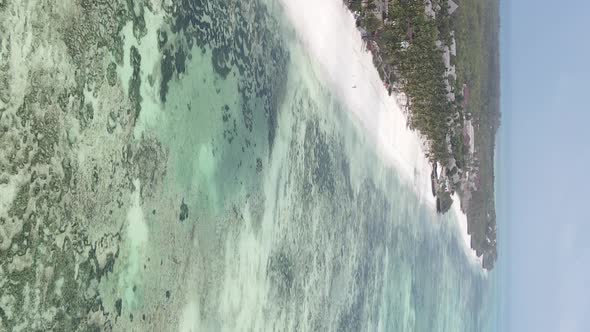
[{"x": 545, "y": 143}]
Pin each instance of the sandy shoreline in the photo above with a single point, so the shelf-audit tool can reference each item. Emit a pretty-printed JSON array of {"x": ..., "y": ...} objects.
[{"x": 328, "y": 32}]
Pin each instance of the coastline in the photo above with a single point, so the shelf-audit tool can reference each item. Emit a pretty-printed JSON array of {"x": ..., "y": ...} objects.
[{"x": 330, "y": 36}]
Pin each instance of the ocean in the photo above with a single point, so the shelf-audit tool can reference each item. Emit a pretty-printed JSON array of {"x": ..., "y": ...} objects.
[
  {"x": 276, "y": 185},
  {"x": 294, "y": 220}
]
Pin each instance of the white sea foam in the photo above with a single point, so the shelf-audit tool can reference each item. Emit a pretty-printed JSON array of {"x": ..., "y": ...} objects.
[{"x": 328, "y": 33}]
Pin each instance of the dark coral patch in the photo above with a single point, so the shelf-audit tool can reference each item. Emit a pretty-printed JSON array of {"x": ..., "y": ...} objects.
[{"x": 183, "y": 211}]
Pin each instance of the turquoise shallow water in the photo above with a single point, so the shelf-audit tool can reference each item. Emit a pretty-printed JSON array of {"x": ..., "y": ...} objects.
[{"x": 290, "y": 219}]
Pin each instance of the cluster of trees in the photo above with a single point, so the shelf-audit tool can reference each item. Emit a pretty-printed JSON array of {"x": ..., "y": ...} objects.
[
  {"x": 443, "y": 22},
  {"x": 367, "y": 18},
  {"x": 408, "y": 44},
  {"x": 412, "y": 59}
]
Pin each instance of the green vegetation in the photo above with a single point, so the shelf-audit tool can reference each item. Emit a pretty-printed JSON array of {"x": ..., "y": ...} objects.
[
  {"x": 421, "y": 70},
  {"x": 478, "y": 65},
  {"x": 410, "y": 57}
]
